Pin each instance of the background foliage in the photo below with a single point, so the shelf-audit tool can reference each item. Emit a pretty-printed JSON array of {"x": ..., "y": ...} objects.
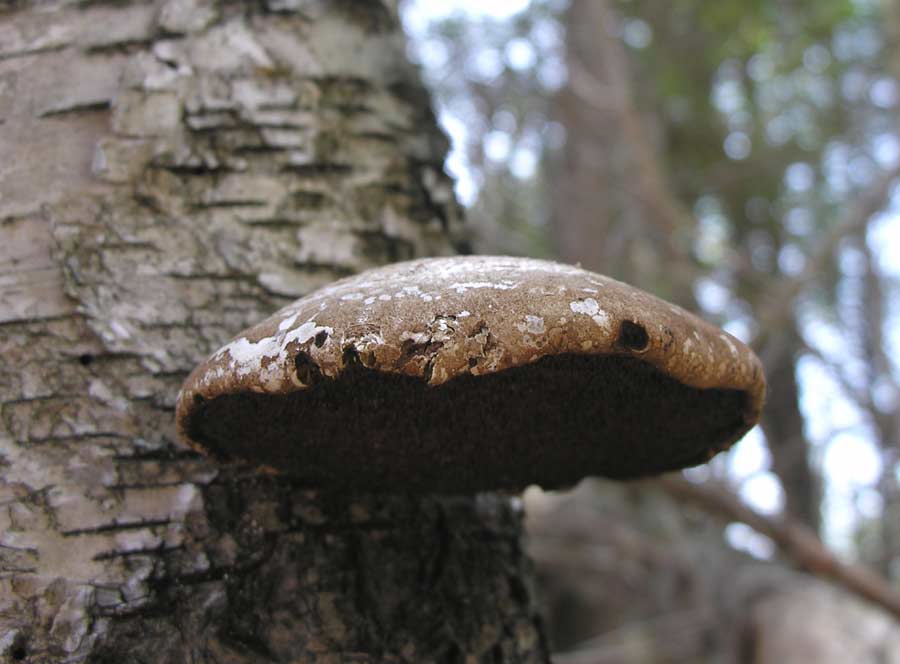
[{"x": 739, "y": 157}]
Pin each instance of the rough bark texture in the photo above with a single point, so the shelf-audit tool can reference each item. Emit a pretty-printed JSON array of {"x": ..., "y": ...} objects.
[{"x": 171, "y": 172}]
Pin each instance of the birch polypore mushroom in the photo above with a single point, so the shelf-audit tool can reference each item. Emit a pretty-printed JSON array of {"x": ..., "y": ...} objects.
[{"x": 473, "y": 373}]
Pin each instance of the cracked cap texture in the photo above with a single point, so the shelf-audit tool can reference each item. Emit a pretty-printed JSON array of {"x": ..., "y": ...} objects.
[{"x": 473, "y": 373}]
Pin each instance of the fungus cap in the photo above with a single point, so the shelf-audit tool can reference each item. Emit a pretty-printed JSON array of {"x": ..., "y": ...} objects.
[{"x": 473, "y": 373}]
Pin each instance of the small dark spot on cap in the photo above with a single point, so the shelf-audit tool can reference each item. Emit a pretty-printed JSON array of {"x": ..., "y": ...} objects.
[
  {"x": 307, "y": 370},
  {"x": 351, "y": 357},
  {"x": 633, "y": 337},
  {"x": 86, "y": 359},
  {"x": 198, "y": 399},
  {"x": 321, "y": 338}
]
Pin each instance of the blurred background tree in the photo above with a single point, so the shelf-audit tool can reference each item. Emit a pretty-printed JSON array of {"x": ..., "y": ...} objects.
[{"x": 739, "y": 157}]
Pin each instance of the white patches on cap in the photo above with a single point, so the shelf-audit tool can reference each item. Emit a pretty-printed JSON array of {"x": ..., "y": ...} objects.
[
  {"x": 601, "y": 318},
  {"x": 532, "y": 325},
  {"x": 384, "y": 297},
  {"x": 369, "y": 340},
  {"x": 369, "y": 300},
  {"x": 247, "y": 356},
  {"x": 464, "y": 314},
  {"x": 287, "y": 322},
  {"x": 589, "y": 307},
  {"x": 305, "y": 332},
  {"x": 442, "y": 325},
  {"x": 462, "y": 274},
  {"x": 415, "y": 337},
  {"x": 352, "y": 296},
  {"x": 212, "y": 375},
  {"x": 462, "y": 286}
]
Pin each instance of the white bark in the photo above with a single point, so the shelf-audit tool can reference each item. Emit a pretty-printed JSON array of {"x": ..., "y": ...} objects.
[{"x": 171, "y": 172}]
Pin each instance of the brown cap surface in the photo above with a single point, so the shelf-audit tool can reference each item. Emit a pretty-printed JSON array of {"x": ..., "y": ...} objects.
[{"x": 473, "y": 373}]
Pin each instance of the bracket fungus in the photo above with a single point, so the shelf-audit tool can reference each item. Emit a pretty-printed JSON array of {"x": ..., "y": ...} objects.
[{"x": 465, "y": 374}]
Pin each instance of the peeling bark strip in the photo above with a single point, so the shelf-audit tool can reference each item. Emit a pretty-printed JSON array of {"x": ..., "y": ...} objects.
[{"x": 171, "y": 172}]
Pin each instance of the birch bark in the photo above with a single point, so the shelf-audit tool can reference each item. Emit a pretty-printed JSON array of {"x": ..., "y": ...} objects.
[{"x": 171, "y": 172}]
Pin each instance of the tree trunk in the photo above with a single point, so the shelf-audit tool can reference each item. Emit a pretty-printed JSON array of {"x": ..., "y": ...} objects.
[
  {"x": 587, "y": 205},
  {"x": 173, "y": 171},
  {"x": 612, "y": 209},
  {"x": 782, "y": 423}
]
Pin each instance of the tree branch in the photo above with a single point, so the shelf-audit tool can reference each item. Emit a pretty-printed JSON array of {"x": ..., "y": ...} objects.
[{"x": 796, "y": 540}]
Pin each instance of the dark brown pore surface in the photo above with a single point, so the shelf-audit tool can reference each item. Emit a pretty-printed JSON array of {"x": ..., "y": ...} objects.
[{"x": 549, "y": 423}]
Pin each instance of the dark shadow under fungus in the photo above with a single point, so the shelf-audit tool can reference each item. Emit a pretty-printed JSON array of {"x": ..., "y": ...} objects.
[{"x": 549, "y": 423}]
